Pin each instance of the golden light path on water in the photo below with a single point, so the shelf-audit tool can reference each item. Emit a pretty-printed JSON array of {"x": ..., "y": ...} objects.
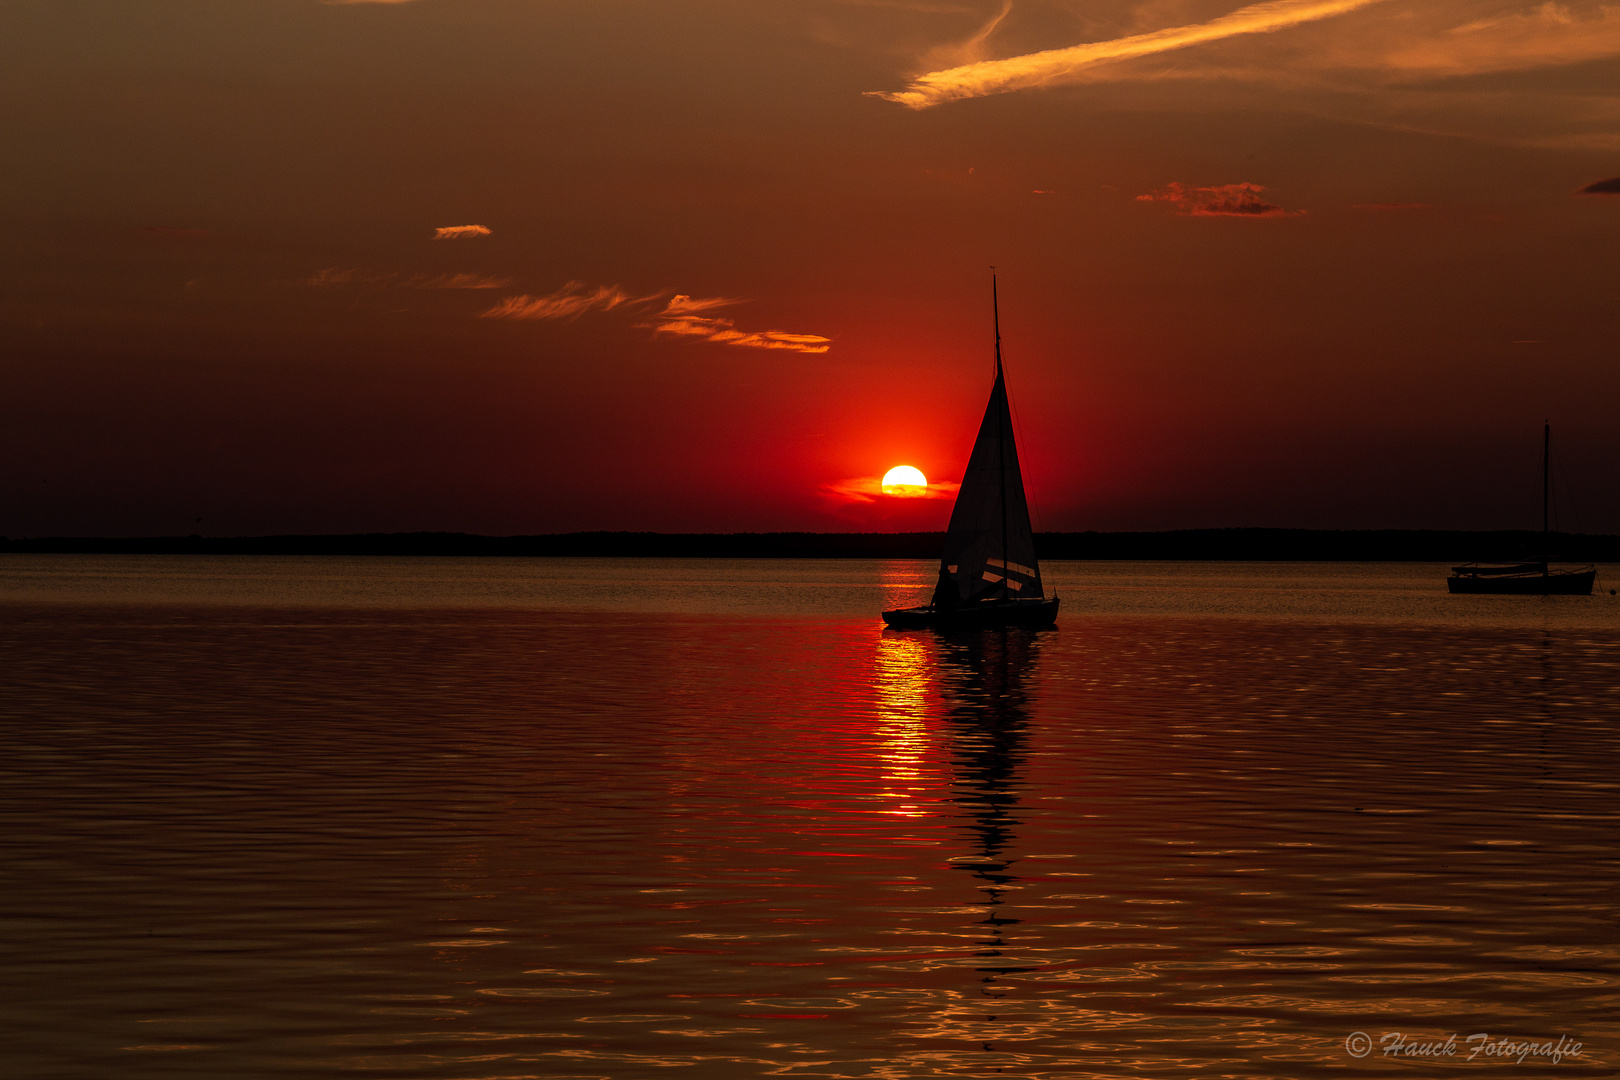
[
  {"x": 903, "y": 685},
  {"x": 537, "y": 819}
]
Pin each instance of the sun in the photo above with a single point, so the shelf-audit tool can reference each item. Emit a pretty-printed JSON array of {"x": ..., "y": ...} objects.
[{"x": 905, "y": 480}]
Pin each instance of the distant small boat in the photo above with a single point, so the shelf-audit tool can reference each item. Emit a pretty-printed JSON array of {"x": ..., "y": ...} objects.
[
  {"x": 989, "y": 575},
  {"x": 1527, "y": 578},
  {"x": 1523, "y": 579}
]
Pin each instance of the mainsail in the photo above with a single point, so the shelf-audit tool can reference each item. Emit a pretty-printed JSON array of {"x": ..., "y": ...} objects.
[{"x": 989, "y": 547}]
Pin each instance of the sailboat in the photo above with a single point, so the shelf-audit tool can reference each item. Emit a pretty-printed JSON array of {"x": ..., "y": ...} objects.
[
  {"x": 988, "y": 575},
  {"x": 1527, "y": 578}
]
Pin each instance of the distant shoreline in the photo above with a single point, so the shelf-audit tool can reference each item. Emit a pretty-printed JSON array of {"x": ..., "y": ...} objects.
[{"x": 1248, "y": 545}]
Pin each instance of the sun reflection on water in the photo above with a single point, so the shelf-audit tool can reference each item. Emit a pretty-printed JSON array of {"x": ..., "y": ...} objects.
[
  {"x": 522, "y": 844},
  {"x": 905, "y": 680}
]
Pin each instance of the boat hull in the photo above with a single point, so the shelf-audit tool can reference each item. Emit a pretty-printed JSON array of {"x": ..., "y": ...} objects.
[
  {"x": 1557, "y": 583},
  {"x": 988, "y": 615}
]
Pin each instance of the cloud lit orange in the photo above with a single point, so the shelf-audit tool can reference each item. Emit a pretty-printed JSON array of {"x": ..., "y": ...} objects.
[
  {"x": 677, "y": 317},
  {"x": 570, "y": 301},
  {"x": 906, "y": 482},
  {"x": 1055, "y": 66},
  {"x": 871, "y": 489},
  {"x": 725, "y": 332},
  {"x": 681, "y": 304}
]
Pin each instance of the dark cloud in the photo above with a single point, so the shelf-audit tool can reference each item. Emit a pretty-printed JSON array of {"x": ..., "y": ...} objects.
[
  {"x": 1225, "y": 200},
  {"x": 1603, "y": 187}
]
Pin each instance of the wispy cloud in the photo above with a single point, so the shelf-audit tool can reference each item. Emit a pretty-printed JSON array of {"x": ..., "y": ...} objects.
[
  {"x": 1404, "y": 65},
  {"x": 568, "y": 302},
  {"x": 1224, "y": 200},
  {"x": 972, "y": 50},
  {"x": 1544, "y": 36},
  {"x": 674, "y": 314},
  {"x": 455, "y": 232},
  {"x": 678, "y": 316},
  {"x": 681, "y": 304},
  {"x": 460, "y": 281},
  {"x": 725, "y": 332},
  {"x": 924, "y": 6},
  {"x": 333, "y": 277},
  {"x": 869, "y": 489},
  {"x": 1398, "y": 42},
  {"x": 1602, "y": 187},
  {"x": 1056, "y": 66}
]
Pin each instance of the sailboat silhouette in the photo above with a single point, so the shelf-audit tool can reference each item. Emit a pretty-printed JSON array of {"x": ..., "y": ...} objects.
[
  {"x": 1537, "y": 578},
  {"x": 988, "y": 575}
]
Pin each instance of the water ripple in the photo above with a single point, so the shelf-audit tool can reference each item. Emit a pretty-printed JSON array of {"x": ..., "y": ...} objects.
[{"x": 499, "y": 842}]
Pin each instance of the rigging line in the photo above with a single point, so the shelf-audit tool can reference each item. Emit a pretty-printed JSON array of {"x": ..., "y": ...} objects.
[
  {"x": 1552, "y": 490},
  {"x": 1029, "y": 507},
  {"x": 1023, "y": 465},
  {"x": 1018, "y": 431},
  {"x": 1561, "y": 489},
  {"x": 995, "y": 316},
  {"x": 1023, "y": 470},
  {"x": 1546, "y": 484},
  {"x": 1531, "y": 493},
  {"x": 1566, "y": 514},
  {"x": 1001, "y": 431}
]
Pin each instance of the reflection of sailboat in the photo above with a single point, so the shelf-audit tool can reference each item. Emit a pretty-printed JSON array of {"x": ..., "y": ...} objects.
[
  {"x": 989, "y": 717},
  {"x": 1528, "y": 578},
  {"x": 982, "y": 683},
  {"x": 989, "y": 575}
]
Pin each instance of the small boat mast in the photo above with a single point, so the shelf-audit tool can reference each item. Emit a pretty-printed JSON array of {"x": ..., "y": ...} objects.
[{"x": 1001, "y": 450}]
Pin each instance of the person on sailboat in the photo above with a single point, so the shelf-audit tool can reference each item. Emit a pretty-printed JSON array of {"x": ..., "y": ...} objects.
[{"x": 945, "y": 593}]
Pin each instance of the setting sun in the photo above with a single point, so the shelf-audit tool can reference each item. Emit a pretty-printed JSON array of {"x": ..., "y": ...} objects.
[{"x": 904, "y": 480}]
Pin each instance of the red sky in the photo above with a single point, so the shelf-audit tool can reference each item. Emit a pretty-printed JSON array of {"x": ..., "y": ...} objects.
[{"x": 1318, "y": 263}]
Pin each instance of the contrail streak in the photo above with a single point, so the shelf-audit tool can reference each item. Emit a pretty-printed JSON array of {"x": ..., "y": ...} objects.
[{"x": 1045, "y": 68}]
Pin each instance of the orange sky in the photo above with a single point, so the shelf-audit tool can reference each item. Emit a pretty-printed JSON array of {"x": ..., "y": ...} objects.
[{"x": 1307, "y": 263}]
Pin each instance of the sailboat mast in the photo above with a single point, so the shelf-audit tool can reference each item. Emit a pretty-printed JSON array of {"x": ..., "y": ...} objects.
[
  {"x": 995, "y": 315},
  {"x": 1001, "y": 424},
  {"x": 1546, "y": 489}
]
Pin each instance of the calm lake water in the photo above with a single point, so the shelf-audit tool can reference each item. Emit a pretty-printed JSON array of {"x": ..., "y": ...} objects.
[{"x": 636, "y": 818}]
